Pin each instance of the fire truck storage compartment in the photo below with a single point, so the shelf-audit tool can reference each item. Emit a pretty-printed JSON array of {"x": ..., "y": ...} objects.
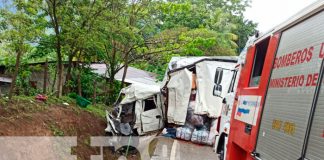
[
  {"x": 290, "y": 95},
  {"x": 315, "y": 145}
]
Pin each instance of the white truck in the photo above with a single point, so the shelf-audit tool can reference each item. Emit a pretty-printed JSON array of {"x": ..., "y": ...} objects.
[{"x": 228, "y": 102}]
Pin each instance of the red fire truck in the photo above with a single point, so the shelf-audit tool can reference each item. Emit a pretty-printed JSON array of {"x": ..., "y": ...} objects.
[{"x": 278, "y": 112}]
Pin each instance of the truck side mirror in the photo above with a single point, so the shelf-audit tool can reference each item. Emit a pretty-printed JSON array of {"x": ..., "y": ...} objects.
[{"x": 217, "y": 91}]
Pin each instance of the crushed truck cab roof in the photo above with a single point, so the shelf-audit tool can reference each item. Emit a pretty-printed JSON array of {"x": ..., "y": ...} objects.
[{"x": 136, "y": 92}]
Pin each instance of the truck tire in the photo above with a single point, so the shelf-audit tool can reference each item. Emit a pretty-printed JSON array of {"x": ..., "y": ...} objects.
[
  {"x": 221, "y": 147},
  {"x": 222, "y": 154},
  {"x": 109, "y": 134}
]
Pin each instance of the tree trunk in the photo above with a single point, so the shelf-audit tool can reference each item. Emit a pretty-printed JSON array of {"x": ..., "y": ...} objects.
[
  {"x": 125, "y": 71},
  {"x": 110, "y": 90},
  {"x": 60, "y": 74},
  {"x": 111, "y": 85},
  {"x": 58, "y": 49},
  {"x": 106, "y": 87},
  {"x": 80, "y": 68},
  {"x": 79, "y": 83},
  {"x": 68, "y": 75},
  {"x": 14, "y": 77},
  {"x": 54, "y": 80},
  {"x": 45, "y": 77},
  {"x": 67, "y": 87},
  {"x": 59, "y": 66}
]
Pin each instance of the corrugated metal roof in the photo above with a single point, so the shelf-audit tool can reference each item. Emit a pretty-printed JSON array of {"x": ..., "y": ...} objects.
[
  {"x": 133, "y": 75},
  {"x": 5, "y": 79}
]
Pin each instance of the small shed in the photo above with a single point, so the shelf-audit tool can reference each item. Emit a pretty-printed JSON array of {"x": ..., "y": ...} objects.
[{"x": 5, "y": 83}]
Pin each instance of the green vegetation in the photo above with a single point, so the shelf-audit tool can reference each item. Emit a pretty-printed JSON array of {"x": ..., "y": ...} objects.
[
  {"x": 22, "y": 104},
  {"x": 146, "y": 34},
  {"x": 56, "y": 130},
  {"x": 98, "y": 110}
]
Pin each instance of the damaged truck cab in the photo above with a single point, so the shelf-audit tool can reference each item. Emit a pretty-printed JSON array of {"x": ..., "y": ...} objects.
[{"x": 138, "y": 110}]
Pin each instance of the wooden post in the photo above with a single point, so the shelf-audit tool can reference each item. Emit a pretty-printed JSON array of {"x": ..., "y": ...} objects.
[
  {"x": 94, "y": 92},
  {"x": 79, "y": 83},
  {"x": 54, "y": 80},
  {"x": 79, "y": 80},
  {"x": 45, "y": 77},
  {"x": 80, "y": 68}
]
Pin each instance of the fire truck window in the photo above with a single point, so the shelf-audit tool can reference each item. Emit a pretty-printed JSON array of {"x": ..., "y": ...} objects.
[{"x": 260, "y": 54}]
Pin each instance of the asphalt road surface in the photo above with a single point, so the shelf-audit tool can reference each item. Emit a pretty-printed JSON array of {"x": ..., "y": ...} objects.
[{"x": 171, "y": 149}]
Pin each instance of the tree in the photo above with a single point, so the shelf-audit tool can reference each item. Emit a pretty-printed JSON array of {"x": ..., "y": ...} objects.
[
  {"x": 123, "y": 36},
  {"x": 244, "y": 28},
  {"x": 79, "y": 25},
  {"x": 201, "y": 28},
  {"x": 54, "y": 9},
  {"x": 220, "y": 16},
  {"x": 120, "y": 33},
  {"x": 19, "y": 29}
]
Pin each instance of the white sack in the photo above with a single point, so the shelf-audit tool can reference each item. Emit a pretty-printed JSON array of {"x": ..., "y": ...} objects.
[{"x": 212, "y": 132}]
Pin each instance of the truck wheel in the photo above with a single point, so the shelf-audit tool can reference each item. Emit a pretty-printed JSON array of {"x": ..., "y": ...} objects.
[
  {"x": 122, "y": 151},
  {"x": 109, "y": 134}
]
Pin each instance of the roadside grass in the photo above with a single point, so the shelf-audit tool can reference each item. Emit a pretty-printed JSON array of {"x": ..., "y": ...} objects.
[
  {"x": 3, "y": 102},
  {"x": 23, "y": 105},
  {"x": 98, "y": 110},
  {"x": 61, "y": 100},
  {"x": 56, "y": 130}
]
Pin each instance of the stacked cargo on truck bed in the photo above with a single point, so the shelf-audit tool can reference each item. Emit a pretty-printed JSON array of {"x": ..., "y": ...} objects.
[{"x": 195, "y": 88}]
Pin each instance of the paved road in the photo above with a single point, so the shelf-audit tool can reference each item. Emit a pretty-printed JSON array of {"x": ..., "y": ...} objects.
[{"x": 170, "y": 149}]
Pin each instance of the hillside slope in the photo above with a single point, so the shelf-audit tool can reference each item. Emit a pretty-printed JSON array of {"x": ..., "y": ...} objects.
[{"x": 27, "y": 117}]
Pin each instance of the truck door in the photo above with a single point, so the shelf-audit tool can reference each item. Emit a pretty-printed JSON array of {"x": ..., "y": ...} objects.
[
  {"x": 152, "y": 115},
  {"x": 290, "y": 95}
]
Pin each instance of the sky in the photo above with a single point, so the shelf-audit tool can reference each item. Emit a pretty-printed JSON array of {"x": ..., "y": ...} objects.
[
  {"x": 267, "y": 13},
  {"x": 270, "y": 13}
]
